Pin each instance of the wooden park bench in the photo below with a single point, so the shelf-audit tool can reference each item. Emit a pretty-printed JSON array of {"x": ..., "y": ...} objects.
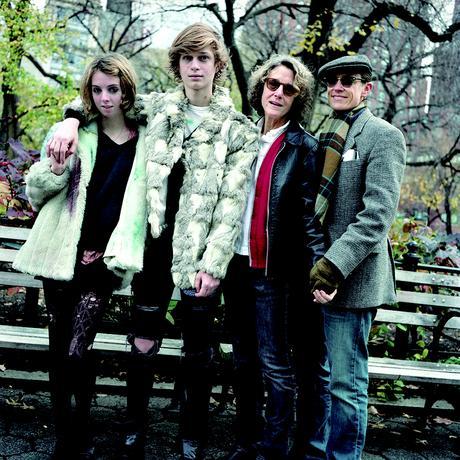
[
  {"x": 428, "y": 298},
  {"x": 437, "y": 310},
  {"x": 35, "y": 339}
]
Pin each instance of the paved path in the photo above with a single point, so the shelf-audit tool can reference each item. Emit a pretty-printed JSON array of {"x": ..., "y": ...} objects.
[{"x": 26, "y": 431}]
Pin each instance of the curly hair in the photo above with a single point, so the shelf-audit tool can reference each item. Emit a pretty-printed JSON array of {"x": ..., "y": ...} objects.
[
  {"x": 113, "y": 64},
  {"x": 303, "y": 80}
]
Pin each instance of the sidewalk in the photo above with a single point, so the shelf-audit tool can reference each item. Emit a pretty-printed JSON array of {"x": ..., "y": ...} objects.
[{"x": 26, "y": 431}]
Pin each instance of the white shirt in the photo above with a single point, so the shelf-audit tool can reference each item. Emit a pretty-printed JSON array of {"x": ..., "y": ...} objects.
[
  {"x": 265, "y": 142},
  {"x": 193, "y": 117}
]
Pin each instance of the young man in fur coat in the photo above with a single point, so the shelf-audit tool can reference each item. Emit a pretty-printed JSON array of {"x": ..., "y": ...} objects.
[{"x": 199, "y": 151}]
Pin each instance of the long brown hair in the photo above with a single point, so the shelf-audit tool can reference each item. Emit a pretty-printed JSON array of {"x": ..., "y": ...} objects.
[{"x": 113, "y": 64}]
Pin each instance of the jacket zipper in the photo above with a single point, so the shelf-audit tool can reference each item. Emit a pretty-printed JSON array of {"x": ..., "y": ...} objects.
[{"x": 268, "y": 206}]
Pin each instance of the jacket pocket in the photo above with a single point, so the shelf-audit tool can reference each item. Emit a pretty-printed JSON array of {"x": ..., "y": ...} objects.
[{"x": 351, "y": 176}]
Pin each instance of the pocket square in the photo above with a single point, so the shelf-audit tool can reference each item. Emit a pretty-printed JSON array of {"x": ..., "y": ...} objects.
[{"x": 350, "y": 155}]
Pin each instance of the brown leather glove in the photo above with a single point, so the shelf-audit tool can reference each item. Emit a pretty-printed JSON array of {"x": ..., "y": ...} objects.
[{"x": 325, "y": 275}]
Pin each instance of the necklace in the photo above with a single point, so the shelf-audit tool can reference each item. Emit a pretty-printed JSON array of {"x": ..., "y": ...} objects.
[{"x": 119, "y": 138}]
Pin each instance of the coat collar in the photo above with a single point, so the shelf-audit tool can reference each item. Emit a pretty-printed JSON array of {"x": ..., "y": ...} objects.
[
  {"x": 295, "y": 134},
  {"x": 356, "y": 129},
  {"x": 91, "y": 128},
  {"x": 175, "y": 103}
]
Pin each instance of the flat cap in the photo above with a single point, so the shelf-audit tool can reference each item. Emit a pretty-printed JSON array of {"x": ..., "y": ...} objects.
[{"x": 356, "y": 63}]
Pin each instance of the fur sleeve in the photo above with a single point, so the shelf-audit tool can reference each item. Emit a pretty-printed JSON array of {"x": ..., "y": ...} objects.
[
  {"x": 227, "y": 217},
  {"x": 41, "y": 183}
]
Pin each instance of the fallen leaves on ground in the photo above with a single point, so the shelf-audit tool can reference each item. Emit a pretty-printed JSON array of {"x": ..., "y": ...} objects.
[
  {"x": 422, "y": 441},
  {"x": 373, "y": 410},
  {"x": 442, "y": 421},
  {"x": 378, "y": 426},
  {"x": 19, "y": 402}
]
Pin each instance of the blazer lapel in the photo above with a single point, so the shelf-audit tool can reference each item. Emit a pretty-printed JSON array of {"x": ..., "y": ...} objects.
[{"x": 356, "y": 129}]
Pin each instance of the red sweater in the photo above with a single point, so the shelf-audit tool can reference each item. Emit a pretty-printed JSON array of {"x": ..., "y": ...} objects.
[{"x": 258, "y": 235}]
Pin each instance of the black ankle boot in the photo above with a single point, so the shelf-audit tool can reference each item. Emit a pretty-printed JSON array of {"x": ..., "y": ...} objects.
[{"x": 192, "y": 449}]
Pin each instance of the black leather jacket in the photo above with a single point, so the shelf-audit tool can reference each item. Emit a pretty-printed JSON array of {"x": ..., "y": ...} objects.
[{"x": 295, "y": 238}]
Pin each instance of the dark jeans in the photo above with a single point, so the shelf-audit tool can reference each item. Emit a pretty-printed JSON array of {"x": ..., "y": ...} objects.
[
  {"x": 196, "y": 365},
  {"x": 258, "y": 311}
]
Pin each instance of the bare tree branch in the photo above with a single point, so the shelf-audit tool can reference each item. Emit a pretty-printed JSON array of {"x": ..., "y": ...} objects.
[
  {"x": 112, "y": 34},
  {"x": 125, "y": 31},
  {"x": 278, "y": 6},
  {"x": 88, "y": 29},
  {"x": 384, "y": 9},
  {"x": 40, "y": 68}
]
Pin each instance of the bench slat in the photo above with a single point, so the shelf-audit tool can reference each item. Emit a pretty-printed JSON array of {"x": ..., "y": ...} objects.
[
  {"x": 431, "y": 279},
  {"x": 36, "y": 338},
  {"x": 7, "y": 255},
  {"x": 432, "y": 300},
  {"x": 14, "y": 233},
  {"x": 13, "y": 279},
  {"x": 413, "y": 319},
  {"x": 414, "y": 371}
]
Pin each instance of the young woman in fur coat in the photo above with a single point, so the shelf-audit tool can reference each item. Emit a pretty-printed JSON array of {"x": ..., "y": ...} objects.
[{"x": 91, "y": 215}]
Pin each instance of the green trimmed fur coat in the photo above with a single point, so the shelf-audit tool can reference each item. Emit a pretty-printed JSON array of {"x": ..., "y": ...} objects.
[{"x": 51, "y": 248}]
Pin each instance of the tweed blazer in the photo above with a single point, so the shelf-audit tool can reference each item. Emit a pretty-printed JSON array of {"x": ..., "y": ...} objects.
[{"x": 362, "y": 211}]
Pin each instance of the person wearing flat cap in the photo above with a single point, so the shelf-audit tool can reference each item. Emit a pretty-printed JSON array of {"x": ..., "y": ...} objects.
[{"x": 357, "y": 201}]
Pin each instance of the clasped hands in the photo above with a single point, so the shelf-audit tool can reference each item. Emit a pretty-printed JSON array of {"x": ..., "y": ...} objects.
[{"x": 62, "y": 145}]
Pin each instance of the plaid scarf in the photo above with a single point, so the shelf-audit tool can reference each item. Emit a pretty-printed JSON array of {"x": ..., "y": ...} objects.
[{"x": 332, "y": 140}]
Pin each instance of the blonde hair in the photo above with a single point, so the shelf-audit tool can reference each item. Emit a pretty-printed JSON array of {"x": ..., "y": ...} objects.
[
  {"x": 113, "y": 64},
  {"x": 194, "y": 38},
  {"x": 303, "y": 80}
]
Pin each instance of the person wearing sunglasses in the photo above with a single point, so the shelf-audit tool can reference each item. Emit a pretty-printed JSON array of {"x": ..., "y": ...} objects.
[
  {"x": 280, "y": 241},
  {"x": 359, "y": 193}
]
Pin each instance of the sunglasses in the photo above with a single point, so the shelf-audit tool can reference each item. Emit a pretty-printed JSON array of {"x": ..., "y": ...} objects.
[
  {"x": 273, "y": 84},
  {"x": 346, "y": 80}
]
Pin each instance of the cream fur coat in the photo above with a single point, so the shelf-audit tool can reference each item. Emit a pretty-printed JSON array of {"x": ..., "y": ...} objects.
[{"x": 217, "y": 158}]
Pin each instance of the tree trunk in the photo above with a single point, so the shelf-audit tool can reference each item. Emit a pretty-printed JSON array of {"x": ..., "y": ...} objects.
[
  {"x": 228, "y": 32},
  {"x": 448, "y": 210},
  {"x": 9, "y": 125}
]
